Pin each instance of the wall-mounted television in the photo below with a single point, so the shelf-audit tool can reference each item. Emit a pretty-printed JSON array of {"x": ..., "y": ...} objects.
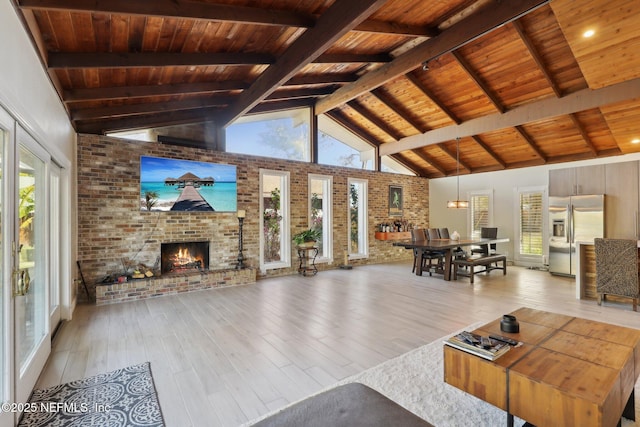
[{"x": 187, "y": 186}]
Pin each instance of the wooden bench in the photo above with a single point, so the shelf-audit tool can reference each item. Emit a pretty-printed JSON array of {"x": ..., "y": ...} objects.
[{"x": 471, "y": 262}]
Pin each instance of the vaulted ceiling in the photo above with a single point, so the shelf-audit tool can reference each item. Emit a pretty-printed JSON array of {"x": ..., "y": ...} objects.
[{"x": 515, "y": 80}]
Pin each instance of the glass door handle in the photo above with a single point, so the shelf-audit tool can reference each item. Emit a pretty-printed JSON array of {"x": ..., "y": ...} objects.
[{"x": 21, "y": 281}]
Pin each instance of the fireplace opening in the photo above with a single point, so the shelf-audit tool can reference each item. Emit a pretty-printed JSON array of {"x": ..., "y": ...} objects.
[{"x": 184, "y": 257}]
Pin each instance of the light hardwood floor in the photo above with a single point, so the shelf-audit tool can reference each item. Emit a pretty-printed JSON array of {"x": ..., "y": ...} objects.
[{"x": 226, "y": 356}]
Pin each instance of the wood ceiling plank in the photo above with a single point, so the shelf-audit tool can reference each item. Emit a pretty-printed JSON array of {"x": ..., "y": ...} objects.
[
  {"x": 339, "y": 118},
  {"x": 533, "y": 51},
  {"x": 335, "y": 22},
  {"x": 379, "y": 123},
  {"x": 531, "y": 142},
  {"x": 434, "y": 164},
  {"x": 540, "y": 110},
  {"x": 478, "y": 81},
  {"x": 398, "y": 109},
  {"x": 616, "y": 39},
  {"x": 489, "y": 151},
  {"x": 432, "y": 97},
  {"x": 455, "y": 36},
  {"x": 584, "y": 134}
]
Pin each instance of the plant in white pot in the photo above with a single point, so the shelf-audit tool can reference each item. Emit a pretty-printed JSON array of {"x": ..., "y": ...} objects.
[{"x": 307, "y": 238}]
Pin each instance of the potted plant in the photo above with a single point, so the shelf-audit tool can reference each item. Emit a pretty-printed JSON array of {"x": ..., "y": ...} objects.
[{"x": 307, "y": 237}]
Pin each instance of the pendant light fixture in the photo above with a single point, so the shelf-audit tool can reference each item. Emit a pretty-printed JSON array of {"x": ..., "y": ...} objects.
[{"x": 458, "y": 204}]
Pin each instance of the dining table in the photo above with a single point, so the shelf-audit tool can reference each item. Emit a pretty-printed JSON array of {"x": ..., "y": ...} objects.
[{"x": 446, "y": 246}]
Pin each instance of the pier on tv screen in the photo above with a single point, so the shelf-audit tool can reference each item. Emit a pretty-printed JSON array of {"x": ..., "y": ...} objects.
[{"x": 187, "y": 186}]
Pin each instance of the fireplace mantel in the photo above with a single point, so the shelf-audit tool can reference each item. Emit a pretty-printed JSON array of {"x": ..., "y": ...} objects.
[{"x": 137, "y": 289}]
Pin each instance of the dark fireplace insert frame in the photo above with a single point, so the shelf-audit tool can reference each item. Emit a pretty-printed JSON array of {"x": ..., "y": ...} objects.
[{"x": 195, "y": 257}]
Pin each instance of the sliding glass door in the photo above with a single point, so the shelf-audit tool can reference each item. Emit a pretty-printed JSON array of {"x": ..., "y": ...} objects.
[{"x": 30, "y": 269}]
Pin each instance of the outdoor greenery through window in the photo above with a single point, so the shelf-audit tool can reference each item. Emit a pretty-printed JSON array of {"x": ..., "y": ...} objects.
[
  {"x": 283, "y": 134},
  {"x": 274, "y": 205},
  {"x": 357, "y": 218},
  {"x": 320, "y": 191},
  {"x": 531, "y": 223}
]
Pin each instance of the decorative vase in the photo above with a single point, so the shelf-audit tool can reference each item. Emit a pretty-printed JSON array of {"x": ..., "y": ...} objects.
[
  {"x": 455, "y": 236},
  {"x": 310, "y": 244}
]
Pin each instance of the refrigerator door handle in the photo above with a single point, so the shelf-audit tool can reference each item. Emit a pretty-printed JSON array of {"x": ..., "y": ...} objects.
[{"x": 570, "y": 224}]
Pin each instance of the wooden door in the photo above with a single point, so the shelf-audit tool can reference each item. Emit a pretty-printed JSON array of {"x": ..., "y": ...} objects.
[{"x": 621, "y": 200}]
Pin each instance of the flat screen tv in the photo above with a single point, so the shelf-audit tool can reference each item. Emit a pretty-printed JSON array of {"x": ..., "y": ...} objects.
[{"x": 186, "y": 186}]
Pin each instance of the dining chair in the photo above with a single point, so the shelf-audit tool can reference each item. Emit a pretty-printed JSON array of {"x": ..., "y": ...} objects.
[
  {"x": 433, "y": 233},
  {"x": 486, "y": 233},
  {"x": 444, "y": 233}
]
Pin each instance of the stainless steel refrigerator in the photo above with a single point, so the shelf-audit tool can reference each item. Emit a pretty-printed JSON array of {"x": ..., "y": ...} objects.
[{"x": 572, "y": 219}]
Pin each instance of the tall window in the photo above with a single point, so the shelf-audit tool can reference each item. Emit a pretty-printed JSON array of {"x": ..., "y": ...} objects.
[
  {"x": 480, "y": 215},
  {"x": 320, "y": 192},
  {"x": 358, "y": 228},
  {"x": 282, "y": 134},
  {"x": 531, "y": 222},
  {"x": 275, "y": 246}
]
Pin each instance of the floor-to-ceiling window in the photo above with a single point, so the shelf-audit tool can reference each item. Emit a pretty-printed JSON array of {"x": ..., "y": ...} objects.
[
  {"x": 4, "y": 334},
  {"x": 275, "y": 246},
  {"x": 320, "y": 213},
  {"x": 358, "y": 228}
]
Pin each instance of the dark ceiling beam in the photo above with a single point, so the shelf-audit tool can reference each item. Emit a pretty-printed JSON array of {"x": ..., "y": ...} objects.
[
  {"x": 216, "y": 12},
  {"x": 485, "y": 20},
  {"x": 478, "y": 81},
  {"x": 376, "y": 121},
  {"x": 489, "y": 151},
  {"x": 537, "y": 57},
  {"x": 320, "y": 79},
  {"x": 398, "y": 109},
  {"x": 150, "y": 59},
  {"x": 65, "y": 60},
  {"x": 351, "y": 58},
  {"x": 453, "y": 156},
  {"x": 102, "y": 93},
  {"x": 178, "y": 9},
  {"x": 188, "y": 104},
  {"x": 531, "y": 143},
  {"x": 118, "y": 92},
  {"x": 382, "y": 27},
  {"x": 163, "y": 119},
  {"x": 364, "y": 135},
  {"x": 149, "y": 108},
  {"x": 432, "y": 97},
  {"x": 281, "y": 105},
  {"x": 431, "y": 162},
  {"x": 584, "y": 134},
  {"x": 334, "y": 23}
]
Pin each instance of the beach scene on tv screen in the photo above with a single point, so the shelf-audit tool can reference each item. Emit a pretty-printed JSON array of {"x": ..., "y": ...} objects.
[{"x": 186, "y": 185}]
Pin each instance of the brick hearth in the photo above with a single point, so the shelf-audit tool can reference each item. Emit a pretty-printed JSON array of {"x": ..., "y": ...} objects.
[{"x": 136, "y": 289}]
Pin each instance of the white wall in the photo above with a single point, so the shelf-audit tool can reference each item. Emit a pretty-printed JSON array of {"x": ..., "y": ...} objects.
[
  {"x": 27, "y": 94},
  {"x": 503, "y": 184}
]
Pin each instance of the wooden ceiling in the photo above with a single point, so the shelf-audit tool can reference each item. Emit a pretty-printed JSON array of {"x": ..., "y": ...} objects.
[{"x": 515, "y": 80}]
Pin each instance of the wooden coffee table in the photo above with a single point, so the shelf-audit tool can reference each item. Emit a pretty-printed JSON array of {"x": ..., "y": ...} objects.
[{"x": 569, "y": 372}]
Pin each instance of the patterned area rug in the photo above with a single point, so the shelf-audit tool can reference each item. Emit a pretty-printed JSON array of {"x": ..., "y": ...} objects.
[{"x": 124, "y": 397}]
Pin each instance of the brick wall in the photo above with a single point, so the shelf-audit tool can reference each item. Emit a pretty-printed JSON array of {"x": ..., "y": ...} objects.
[{"x": 111, "y": 226}]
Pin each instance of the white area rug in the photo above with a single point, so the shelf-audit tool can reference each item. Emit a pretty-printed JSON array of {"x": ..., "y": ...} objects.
[{"x": 415, "y": 380}]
